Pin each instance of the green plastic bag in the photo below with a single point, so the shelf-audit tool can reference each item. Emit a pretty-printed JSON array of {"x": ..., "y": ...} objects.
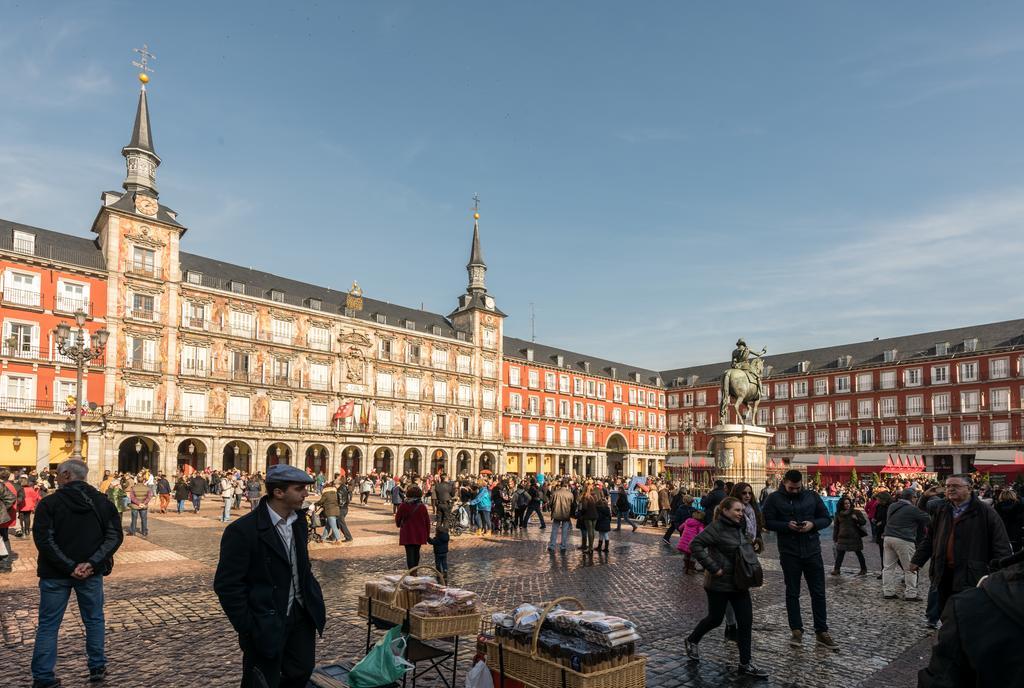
[{"x": 383, "y": 664}]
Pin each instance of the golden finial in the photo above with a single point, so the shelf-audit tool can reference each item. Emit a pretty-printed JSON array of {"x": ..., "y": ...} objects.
[
  {"x": 143, "y": 63},
  {"x": 476, "y": 206}
]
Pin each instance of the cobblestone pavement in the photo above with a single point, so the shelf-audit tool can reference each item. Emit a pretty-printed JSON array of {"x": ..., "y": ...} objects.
[{"x": 165, "y": 627}]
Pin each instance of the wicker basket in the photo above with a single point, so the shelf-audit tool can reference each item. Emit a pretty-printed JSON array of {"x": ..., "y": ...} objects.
[
  {"x": 534, "y": 670},
  {"x": 420, "y": 627}
]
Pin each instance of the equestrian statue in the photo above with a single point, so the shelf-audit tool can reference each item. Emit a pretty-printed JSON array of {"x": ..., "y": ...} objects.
[{"x": 742, "y": 382}]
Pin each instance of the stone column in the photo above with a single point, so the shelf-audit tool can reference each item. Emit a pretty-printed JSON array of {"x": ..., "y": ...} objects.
[
  {"x": 43, "y": 450},
  {"x": 92, "y": 455},
  {"x": 741, "y": 453}
]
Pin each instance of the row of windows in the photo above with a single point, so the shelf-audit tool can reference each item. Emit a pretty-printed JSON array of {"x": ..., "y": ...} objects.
[
  {"x": 939, "y": 374},
  {"x": 583, "y": 387},
  {"x": 970, "y": 401},
  {"x": 563, "y": 408},
  {"x": 941, "y": 433},
  {"x": 580, "y": 437},
  {"x": 23, "y": 288}
]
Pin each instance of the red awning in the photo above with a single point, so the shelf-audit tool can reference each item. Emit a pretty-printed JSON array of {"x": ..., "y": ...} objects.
[{"x": 905, "y": 463}]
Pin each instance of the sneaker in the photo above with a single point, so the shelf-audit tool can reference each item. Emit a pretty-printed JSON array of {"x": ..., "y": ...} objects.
[
  {"x": 835, "y": 572},
  {"x": 934, "y": 625},
  {"x": 862, "y": 572},
  {"x": 879, "y": 576},
  {"x": 825, "y": 640},
  {"x": 691, "y": 649},
  {"x": 634, "y": 528},
  {"x": 552, "y": 549},
  {"x": 97, "y": 674},
  {"x": 796, "y": 638},
  {"x": 749, "y": 669},
  {"x": 667, "y": 541}
]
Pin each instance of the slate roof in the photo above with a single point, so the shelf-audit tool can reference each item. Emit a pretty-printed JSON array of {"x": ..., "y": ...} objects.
[
  {"x": 572, "y": 361},
  {"x": 217, "y": 274},
  {"x": 142, "y": 134},
  {"x": 126, "y": 204},
  {"x": 50, "y": 245},
  {"x": 1000, "y": 335}
]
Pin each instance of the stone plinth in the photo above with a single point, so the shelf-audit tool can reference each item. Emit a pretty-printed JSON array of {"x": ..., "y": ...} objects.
[{"x": 741, "y": 452}]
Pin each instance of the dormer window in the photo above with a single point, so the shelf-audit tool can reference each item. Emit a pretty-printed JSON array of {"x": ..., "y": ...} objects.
[
  {"x": 889, "y": 355},
  {"x": 410, "y": 324},
  {"x": 237, "y": 287},
  {"x": 529, "y": 354},
  {"x": 803, "y": 366},
  {"x": 560, "y": 360},
  {"x": 314, "y": 304},
  {"x": 942, "y": 348},
  {"x": 193, "y": 277},
  {"x": 636, "y": 377},
  {"x": 586, "y": 366},
  {"x": 971, "y": 344},
  {"x": 24, "y": 242},
  {"x": 435, "y": 329},
  {"x": 613, "y": 372},
  {"x": 277, "y": 295},
  {"x": 381, "y": 319}
]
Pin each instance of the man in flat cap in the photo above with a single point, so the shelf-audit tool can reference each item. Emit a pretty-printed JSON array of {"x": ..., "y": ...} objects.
[{"x": 266, "y": 586}]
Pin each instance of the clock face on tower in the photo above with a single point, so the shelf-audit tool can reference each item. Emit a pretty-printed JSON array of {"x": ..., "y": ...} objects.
[
  {"x": 146, "y": 205},
  {"x": 489, "y": 302}
]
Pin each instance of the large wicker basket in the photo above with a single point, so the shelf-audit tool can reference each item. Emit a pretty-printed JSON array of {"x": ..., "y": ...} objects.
[
  {"x": 538, "y": 671},
  {"x": 419, "y": 627}
]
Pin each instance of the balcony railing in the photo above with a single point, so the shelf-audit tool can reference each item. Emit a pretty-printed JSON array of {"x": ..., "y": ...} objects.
[
  {"x": 144, "y": 364},
  {"x": 144, "y": 314},
  {"x": 195, "y": 323},
  {"x": 30, "y": 353},
  {"x": 22, "y": 297},
  {"x": 322, "y": 385},
  {"x": 318, "y": 345},
  {"x": 71, "y": 304},
  {"x": 191, "y": 369},
  {"x": 141, "y": 267},
  {"x": 23, "y": 405}
]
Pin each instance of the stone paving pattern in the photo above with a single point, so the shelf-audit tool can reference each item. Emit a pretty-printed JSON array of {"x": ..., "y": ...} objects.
[{"x": 165, "y": 627}]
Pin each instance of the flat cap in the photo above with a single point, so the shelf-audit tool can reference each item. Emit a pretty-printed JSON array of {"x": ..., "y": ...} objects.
[{"x": 283, "y": 473}]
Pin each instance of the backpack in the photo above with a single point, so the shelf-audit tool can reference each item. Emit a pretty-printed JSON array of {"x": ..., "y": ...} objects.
[
  {"x": 9, "y": 501},
  {"x": 522, "y": 499}
]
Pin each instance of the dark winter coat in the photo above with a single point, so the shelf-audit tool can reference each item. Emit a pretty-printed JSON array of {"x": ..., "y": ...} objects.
[
  {"x": 329, "y": 502},
  {"x": 978, "y": 537},
  {"x": 74, "y": 525},
  {"x": 604, "y": 517},
  {"x": 254, "y": 576},
  {"x": 979, "y": 642},
  {"x": 181, "y": 490},
  {"x": 198, "y": 486},
  {"x": 1012, "y": 514},
  {"x": 846, "y": 531},
  {"x": 440, "y": 543},
  {"x": 413, "y": 522},
  {"x": 710, "y": 501},
  {"x": 782, "y": 507},
  {"x": 716, "y": 547}
]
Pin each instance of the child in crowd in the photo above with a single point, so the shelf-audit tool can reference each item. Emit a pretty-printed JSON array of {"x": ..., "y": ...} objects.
[
  {"x": 440, "y": 543},
  {"x": 690, "y": 529}
]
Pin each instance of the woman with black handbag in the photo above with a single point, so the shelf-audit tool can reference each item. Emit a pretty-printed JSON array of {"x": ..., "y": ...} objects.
[
  {"x": 848, "y": 533},
  {"x": 731, "y": 568}
]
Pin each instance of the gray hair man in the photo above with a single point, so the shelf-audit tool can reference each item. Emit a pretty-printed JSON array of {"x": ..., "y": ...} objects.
[
  {"x": 77, "y": 531},
  {"x": 905, "y": 525}
]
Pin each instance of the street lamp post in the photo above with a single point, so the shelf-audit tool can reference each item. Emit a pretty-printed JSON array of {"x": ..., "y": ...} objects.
[{"x": 71, "y": 343}]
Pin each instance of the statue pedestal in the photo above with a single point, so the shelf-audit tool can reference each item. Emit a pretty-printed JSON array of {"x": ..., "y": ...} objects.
[{"x": 741, "y": 453}]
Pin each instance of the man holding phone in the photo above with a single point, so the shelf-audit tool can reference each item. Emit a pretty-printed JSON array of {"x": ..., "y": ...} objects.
[{"x": 797, "y": 515}]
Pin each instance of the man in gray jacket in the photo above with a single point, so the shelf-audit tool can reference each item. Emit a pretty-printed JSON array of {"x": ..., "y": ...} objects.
[
  {"x": 904, "y": 528},
  {"x": 561, "y": 514}
]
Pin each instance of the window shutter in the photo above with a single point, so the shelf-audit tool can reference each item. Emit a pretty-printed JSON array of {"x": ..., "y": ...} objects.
[
  {"x": 35, "y": 338},
  {"x": 156, "y": 307},
  {"x": 129, "y": 343},
  {"x": 128, "y": 302},
  {"x": 184, "y": 312},
  {"x": 149, "y": 350}
]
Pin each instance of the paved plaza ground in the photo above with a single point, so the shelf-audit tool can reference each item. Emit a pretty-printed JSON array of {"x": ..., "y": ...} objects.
[{"x": 165, "y": 627}]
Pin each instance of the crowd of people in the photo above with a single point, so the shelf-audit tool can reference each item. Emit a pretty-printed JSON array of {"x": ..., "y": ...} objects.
[{"x": 965, "y": 530}]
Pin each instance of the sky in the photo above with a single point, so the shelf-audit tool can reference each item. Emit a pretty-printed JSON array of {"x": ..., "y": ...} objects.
[{"x": 656, "y": 179}]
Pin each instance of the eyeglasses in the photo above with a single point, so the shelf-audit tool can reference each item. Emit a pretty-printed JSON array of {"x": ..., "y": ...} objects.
[{"x": 957, "y": 486}]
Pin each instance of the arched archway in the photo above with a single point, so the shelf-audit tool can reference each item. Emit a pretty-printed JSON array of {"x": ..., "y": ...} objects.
[
  {"x": 487, "y": 462},
  {"x": 191, "y": 452},
  {"x": 463, "y": 461},
  {"x": 237, "y": 455},
  {"x": 383, "y": 460},
  {"x": 136, "y": 453},
  {"x": 316, "y": 458},
  {"x": 438, "y": 461},
  {"x": 617, "y": 448},
  {"x": 278, "y": 452},
  {"x": 351, "y": 460},
  {"x": 411, "y": 461}
]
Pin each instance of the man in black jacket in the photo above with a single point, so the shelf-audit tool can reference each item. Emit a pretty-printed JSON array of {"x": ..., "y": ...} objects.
[
  {"x": 965, "y": 535},
  {"x": 266, "y": 585},
  {"x": 198, "y": 486},
  {"x": 77, "y": 531},
  {"x": 797, "y": 515},
  {"x": 979, "y": 644},
  {"x": 443, "y": 498},
  {"x": 713, "y": 499}
]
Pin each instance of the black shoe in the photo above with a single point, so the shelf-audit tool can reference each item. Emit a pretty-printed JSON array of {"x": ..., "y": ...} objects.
[
  {"x": 97, "y": 674},
  {"x": 731, "y": 633},
  {"x": 691, "y": 649},
  {"x": 666, "y": 541},
  {"x": 55, "y": 683},
  {"x": 750, "y": 670},
  {"x": 634, "y": 529}
]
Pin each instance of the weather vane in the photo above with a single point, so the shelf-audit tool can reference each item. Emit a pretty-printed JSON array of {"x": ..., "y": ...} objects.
[
  {"x": 143, "y": 63},
  {"x": 476, "y": 206}
]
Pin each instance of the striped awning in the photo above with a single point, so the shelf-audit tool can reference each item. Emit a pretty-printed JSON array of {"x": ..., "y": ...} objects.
[{"x": 879, "y": 462}]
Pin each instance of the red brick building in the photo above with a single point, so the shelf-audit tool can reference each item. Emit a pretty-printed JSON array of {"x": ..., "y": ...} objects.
[
  {"x": 566, "y": 412},
  {"x": 950, "y": 400},
  {"x": 46, "y": 278}
]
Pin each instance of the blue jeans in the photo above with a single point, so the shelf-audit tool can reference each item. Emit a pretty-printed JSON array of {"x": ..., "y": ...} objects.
[
  {"x": 623, "y": 515},
  {"x": 143, "y": 515},
  {"x": 181, "y": 505},
  {"x": 563, "y": 527},
  {"x": 483, "y": 519},
  {"x": 332, "y": 528},
  {"x": 54, "y": 594},
  {"x": 196, "y": 501}
]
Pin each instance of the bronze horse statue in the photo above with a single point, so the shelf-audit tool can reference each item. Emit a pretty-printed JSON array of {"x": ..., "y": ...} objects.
[{"x": 745, "y": 386}]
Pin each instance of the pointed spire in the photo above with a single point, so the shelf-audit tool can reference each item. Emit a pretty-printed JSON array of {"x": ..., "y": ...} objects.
[
  {"x": 142, "y": 138},
  {"x": 140, "y": 158},
  {"x": 476, "y": 266}
]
